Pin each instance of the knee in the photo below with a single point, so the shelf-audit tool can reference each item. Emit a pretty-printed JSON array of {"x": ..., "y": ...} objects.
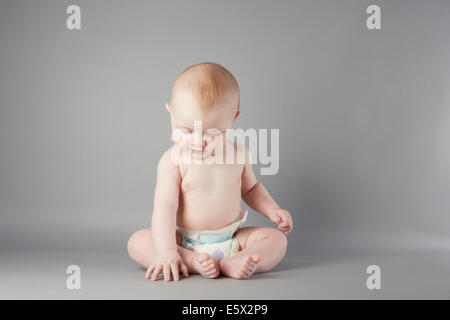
[
  {"x": 136, "y": 241},
  {"x": 281, "y": 237},
  {"x": 276, "y": 235}
]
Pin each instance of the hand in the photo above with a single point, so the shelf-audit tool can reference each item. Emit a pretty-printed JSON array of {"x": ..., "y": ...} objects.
[
  {"x": 167, "y": 262},
  {"x": 283, "y": 219}
]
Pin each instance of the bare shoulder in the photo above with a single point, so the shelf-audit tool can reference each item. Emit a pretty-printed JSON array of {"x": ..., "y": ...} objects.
[{"x": 167, "y": 164}]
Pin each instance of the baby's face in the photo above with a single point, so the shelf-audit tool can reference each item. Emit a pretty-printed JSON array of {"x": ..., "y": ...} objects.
[{"x": 196, "y": 128}]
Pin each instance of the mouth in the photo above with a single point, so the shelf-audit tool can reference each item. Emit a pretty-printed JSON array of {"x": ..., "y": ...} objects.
[
  {"x": 196, "y": 151},
  {"x": 196, "y": 148}
]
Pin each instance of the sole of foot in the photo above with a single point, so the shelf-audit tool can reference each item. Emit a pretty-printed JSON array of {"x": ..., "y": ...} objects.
[
  {"x": 206, "y": 265},
  {"x": 240, "y": 267}
]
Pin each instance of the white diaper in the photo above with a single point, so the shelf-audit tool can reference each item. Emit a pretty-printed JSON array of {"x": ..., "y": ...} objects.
[{"x": 218, "y": 243}]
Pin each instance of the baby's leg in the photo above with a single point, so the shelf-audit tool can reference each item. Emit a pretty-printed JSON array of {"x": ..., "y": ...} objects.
[
  {"x": 261, "y": 250},
  {"x": 140, "y": 249}
]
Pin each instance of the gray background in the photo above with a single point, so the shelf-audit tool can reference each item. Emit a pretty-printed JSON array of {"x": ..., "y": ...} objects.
[{"x": 364, "y": 153}]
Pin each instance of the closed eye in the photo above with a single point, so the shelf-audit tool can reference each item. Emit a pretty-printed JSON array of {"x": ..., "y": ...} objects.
[
  {"x": 179, "y": 133},
  {"x": 183, "y": 130},
  {"x": 213, "y": 132}
]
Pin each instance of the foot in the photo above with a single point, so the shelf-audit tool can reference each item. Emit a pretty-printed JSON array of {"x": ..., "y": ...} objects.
[
  {"x": 239, "y": 267},
  {"x": 206, "y": 265}
]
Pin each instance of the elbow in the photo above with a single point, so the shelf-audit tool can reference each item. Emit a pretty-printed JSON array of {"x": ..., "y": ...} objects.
[{"x": 249, "y": 189}]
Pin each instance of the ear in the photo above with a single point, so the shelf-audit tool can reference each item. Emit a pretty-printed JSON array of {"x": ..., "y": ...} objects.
[
  {"x": 168, "y": 107},
  {"x": 238, "y": 113}
]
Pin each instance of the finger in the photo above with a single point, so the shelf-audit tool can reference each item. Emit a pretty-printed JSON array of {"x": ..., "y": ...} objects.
[
  {"x": 289, "y": 224},
  {"x": 289, "y": 229},
  {"x": 149, "y": 271},
  {"x": 175, "y": 271},
  {"x": 284, "y": 222},
  {"x": 184, "y": 270},
  {"x": 166, "y": 271},
  {"x": 286, "y": 231},
  {"x": 157, "y": 271},
  {"x": 276, "y": 219}
]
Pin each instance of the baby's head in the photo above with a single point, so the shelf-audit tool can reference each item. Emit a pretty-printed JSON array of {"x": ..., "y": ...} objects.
[{"x": 206, "y": 92}]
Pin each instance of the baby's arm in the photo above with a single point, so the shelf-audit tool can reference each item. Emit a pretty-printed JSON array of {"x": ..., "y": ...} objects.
[
  {"x": 258, "y": 198},
  {"x": 164, "y": 217}
]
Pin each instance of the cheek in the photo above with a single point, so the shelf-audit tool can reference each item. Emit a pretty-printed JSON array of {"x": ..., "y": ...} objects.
[
  {"x": 183, "y": 142},
  {"x": 186, "y": 142}
]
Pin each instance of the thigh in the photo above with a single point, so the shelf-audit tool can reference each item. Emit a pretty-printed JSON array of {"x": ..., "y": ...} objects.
[
  {"x": 143, "y": 239},
  {"x": 247, "y": 235}
]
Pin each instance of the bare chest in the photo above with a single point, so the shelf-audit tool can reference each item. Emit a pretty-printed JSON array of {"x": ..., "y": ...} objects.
[{"x": 210, "y": 177}]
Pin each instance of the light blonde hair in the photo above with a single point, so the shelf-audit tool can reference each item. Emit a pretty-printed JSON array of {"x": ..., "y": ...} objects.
[{"x": 208, "y": 82}]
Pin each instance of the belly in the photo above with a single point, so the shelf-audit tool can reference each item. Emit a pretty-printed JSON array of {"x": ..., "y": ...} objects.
[{"x": 210, "y": 200}]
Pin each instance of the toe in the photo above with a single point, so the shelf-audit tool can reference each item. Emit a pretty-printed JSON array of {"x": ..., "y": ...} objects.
[
  {"x": 244, "y": 269},
  {"x": 211, "y": 272},
  {"x": 210, "y": 267},
  {"x": 203, "y": 257},
  {"x": 248, "y": 268},
  {"x": 256, "y": 258},
  {"x": 249, "y": 262}
]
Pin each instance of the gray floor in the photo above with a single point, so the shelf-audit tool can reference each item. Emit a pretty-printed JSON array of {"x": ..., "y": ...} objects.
[{"x": 110, "y": 275}]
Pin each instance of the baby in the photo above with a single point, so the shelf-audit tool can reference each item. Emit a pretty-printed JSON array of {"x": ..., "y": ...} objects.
[{"x": 197, "y": 206}]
